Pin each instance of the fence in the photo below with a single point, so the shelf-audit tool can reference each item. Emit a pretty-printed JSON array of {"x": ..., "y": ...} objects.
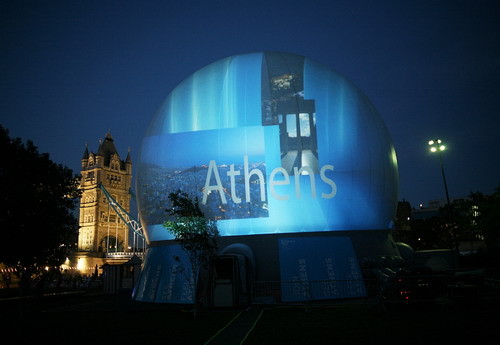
[
  {"x": 313, "y": 292},
  {"x": 419, "y": 289},
  {"x": 401, "y": 289}
]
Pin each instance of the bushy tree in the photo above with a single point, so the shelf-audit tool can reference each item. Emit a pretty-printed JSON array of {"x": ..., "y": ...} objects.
[
  {"x": 37, "y": 200},
  {"x": 475, "y": 218},
  {"x": 430, "y": 233},
  {"x": 196, "y": 234},
  {"x": 480, "y": 220},
  {"x": 486, "y": 218}
]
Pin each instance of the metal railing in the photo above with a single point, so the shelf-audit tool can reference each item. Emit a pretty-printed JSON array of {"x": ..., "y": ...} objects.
[
  {"x": 401, "y": 289},
  {"x": 313, "y": 292},
  {"x": 418, "y": 288},
  {"x": 120, "y": 255}
]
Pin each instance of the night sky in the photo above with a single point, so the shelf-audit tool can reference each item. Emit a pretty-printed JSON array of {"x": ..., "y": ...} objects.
[{"x": 72, "y": 70}]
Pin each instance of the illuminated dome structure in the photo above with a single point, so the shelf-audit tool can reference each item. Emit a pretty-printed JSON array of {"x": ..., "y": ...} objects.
[{"x": 290, "y": 158}]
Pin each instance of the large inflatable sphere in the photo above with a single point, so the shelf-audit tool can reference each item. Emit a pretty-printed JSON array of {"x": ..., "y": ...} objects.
[{"x": 269, "y": 143}]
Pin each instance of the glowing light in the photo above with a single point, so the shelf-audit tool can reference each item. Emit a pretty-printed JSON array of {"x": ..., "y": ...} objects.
[
  {"x": 436, "y": 145},
  {"x": 82, "y": 264}
]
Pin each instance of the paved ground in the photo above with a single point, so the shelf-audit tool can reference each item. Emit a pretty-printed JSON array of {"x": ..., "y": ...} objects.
[
  {"x": 238, "y": 329},
  {"x": 86, "y": 318},
  {"x": 83, "y": 318}
]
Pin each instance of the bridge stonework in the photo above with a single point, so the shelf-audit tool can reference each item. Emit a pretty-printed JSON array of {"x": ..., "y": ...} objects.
[{"x": 101, "y": 230}]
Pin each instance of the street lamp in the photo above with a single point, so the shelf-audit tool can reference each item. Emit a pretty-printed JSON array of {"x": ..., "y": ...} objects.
[{"x": 437, "y": 145}]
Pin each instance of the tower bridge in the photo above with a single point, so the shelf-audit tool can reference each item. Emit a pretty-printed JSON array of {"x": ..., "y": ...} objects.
[{"x": 108, "y": 233}]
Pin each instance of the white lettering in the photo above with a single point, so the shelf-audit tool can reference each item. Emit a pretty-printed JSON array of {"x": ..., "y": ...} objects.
[
  {"x": 298, "y": 172},
  {"x": 260, "y": 180},
  {"x": 272, "y": 183},
  {"x": 232, "y": 173},
  {"x": 247, "y": 181},
  {"x": 328, "y": 181},
  {"x": 213, "y": 167}
]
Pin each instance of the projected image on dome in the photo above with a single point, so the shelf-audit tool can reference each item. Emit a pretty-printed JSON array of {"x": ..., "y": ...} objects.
[
  {"x": 220, "y": 186},
  {"x": 269, "y": 143},
  {"x": 283, "y": 105}
]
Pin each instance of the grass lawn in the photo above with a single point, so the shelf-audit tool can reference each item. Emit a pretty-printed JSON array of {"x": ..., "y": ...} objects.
[
  {"x": 100, "y": 320},
  {"x": 354, "y": 325},
  {"x": 168, "y": 327},
  {"x": 83, "y": 320}
]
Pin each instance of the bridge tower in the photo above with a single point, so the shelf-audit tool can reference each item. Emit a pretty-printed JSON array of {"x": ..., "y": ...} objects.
[{"x": 101, "y": 230}]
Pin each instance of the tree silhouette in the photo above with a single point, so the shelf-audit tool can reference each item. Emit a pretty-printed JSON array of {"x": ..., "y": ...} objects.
[
  {"x": 196, "y": 234},
  {"x": 37, "y": 198}
]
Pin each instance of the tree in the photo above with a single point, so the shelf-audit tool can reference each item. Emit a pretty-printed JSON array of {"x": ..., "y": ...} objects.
[
  {"x": 477, "y": 218},
  {"x": 196, "y": 234},
  {"x": 486, "y": 218},
  {"x": 37, "y": 198},
  {"x": 430, "y": 233},
  {"x": 481, "y": 220}
]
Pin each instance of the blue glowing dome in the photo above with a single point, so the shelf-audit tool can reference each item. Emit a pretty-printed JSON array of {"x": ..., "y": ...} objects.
[{"x": 269, "y": 143}]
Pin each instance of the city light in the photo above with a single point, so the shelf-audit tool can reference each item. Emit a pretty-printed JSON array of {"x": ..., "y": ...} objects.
[{"x": 437, "y": 145}]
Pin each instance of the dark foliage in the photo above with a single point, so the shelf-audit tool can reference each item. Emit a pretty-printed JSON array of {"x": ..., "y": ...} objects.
[
  {"x": 36, "y": 221},
  {"x": 474, "y": 219},
  {"x": 183, "y": 205},
  {"x": 196, "y": 234}
]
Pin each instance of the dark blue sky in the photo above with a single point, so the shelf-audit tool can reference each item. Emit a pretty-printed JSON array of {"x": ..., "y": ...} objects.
[{"x": 71, "y": 70}]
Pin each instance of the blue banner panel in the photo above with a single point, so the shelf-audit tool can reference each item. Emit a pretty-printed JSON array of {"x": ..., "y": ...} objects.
[
  {"x": 166, "y": 277},
  {"x": 318, "y": 268}
]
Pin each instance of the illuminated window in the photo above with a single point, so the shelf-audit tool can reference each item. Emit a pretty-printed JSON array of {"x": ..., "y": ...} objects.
[
  {"x": 305, "y": 128},
  {"x": 291, "y": 126}
]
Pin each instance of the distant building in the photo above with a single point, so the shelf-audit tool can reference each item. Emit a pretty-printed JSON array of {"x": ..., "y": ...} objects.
[
  {"x": 101, "y": 230},
  {"x": 403, "y": 214},
  {"x": 469, "y": 240},
  {"x": 402, "y": 225},
  {"x": 432, "y": 209}
]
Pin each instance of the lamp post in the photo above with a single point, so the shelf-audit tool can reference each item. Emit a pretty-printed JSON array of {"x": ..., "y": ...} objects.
[{"x": 437, "y": 145}]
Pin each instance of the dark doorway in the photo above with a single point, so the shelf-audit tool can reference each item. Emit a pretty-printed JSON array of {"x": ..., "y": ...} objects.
[
  {"x": 224, "y": 282},
  {"x": 230, "y": 282}
]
